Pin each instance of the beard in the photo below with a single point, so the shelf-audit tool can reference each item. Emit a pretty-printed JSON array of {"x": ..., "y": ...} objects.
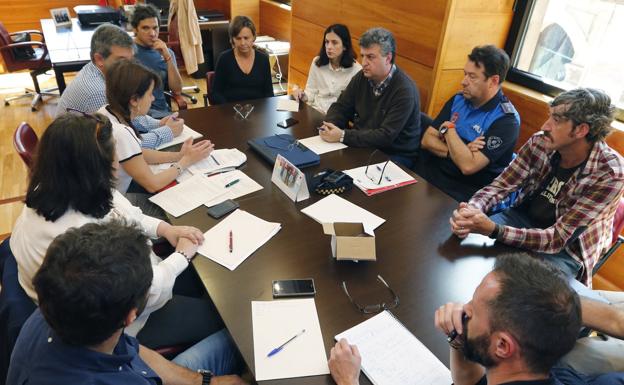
[{"x": 476, "y": 349}]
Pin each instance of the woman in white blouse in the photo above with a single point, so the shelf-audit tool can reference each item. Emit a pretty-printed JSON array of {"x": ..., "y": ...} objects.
[
  {"x": 72, "y": 184},
  {"x": 129, "y": 88},
  {"x": 331, "y": 71}
]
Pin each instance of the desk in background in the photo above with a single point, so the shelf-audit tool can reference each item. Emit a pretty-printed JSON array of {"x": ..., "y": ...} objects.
[
  {"x": 416, "y": 253},
  {"x": 69, "y": 47}
]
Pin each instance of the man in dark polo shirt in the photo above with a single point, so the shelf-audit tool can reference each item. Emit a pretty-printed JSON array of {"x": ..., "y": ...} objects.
[
  {"x": 381, "y": 102},
  {"x": 154, "y": 54},
  {"x": 94, "y": 282},
  {"x": 480, "y": 114}
]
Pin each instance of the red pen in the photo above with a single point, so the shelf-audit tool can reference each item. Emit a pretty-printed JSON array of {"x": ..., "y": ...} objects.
[{"x": 231, "y": 242}]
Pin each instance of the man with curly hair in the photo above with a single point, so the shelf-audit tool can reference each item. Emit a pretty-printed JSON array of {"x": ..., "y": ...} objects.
[{"x": 569, "y": 183}]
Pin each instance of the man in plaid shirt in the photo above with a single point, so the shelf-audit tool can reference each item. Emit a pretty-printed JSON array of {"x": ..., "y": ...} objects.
[{"x": 569, "y": 182}]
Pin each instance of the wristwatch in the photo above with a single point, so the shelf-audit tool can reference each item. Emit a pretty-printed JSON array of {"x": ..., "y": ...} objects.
[
  {"x": 443, "y": 130},
  {"x": 206, "y": 376}
]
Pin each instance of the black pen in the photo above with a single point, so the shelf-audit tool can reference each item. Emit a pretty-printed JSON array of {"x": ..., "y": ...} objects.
[{"x": 451, "y": 336}]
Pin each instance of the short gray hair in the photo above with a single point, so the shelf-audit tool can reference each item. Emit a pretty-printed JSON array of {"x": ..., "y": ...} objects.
[
  {"x": 106, "y": 36},
  {"x": 591, "y": 106},
  {"x": 381, "y": 37}
]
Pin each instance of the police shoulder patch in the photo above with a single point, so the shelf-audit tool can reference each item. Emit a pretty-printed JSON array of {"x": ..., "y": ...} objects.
[{"x": 494, "y": 142}]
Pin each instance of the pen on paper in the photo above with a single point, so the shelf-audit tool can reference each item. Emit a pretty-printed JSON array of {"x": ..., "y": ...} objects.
[
  {"x": 279, "y": 348},
  {"x": 215, "y": 160},
  {"x": 232, "y": 183},
  {"x": 231, "y": 243}
]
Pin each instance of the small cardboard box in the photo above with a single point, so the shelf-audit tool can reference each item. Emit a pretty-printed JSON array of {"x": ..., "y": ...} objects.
[{"x": 350, "y": 242}]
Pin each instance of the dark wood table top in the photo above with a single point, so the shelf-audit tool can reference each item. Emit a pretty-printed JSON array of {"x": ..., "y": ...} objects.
[{"x": 416, "y": 253}]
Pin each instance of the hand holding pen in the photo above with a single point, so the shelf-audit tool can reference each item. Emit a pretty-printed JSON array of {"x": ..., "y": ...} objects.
[{"x": 450, "y": 319}]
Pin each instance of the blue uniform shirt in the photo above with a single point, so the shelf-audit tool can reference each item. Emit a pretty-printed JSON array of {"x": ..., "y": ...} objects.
[
  {"x": 40, "y": 358},
  {"x": 497, "y": 120}
]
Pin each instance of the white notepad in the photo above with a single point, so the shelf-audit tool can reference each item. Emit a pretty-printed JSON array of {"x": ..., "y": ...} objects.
[
  {"x": 187, "y": 132},
  {"x": 223, "y": 159},
  {"x": 189, "y": 194},
  {"x": 249, "y": 233},
  {"x": 275, "y": 322},
  {"x": 392, "y": 355},
  {"x": 288, "y": 105},
  {"x": 318, "y": 145}
]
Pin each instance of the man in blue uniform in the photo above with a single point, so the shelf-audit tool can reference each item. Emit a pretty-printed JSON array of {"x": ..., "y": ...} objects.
[{"x": 472, "y": 139}]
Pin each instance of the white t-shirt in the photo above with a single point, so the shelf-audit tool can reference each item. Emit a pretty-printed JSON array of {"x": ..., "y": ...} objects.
[
  {"x": 326, "y": 83},
  {"x": 127, "y": 146},
  {"x": 32, "y": 234}
]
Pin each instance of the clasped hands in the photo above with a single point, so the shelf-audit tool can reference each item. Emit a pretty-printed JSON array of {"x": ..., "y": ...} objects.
[
  {"x": 184, "y": 238},
  {"x": 467, "y": 219},
  {"x": 329, "y": 132}
]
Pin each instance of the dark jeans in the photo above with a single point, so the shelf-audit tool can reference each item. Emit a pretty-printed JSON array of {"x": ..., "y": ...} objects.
[{"x": 562, "y": 260}]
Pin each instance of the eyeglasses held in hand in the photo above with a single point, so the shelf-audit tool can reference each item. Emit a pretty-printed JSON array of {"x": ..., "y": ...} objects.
[{"x": 372, "y": 309}]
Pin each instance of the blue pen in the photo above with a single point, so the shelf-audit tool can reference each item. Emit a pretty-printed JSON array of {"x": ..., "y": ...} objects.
[
  {"x": 215, "y": 160},
  {"x": 279, "y": 348}
]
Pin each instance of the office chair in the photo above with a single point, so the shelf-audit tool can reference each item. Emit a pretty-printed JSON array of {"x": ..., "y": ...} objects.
[
  {"x": 38, "y": 64},
  {"x": 25, "y": 142},
  {"x": 209, "y": 82},
  {"x": 616, "y": 238}
]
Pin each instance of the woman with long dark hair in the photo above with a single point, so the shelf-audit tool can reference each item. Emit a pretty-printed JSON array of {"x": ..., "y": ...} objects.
[{"x": 331, "y": 70}]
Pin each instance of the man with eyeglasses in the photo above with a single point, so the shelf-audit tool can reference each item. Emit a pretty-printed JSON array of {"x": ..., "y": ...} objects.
[
  {"x": 472, "y": 139},
  {"x": 522, "y": 319},
  {"x": 381, "y": 102},
  {"x": 569, "y": 184}
]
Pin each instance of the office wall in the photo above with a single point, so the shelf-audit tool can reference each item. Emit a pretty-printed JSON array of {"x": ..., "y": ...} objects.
[
  {"x": 19, "y": 15},
  {"x": 274, "y": 20},
  {"x": 433, "y": 37}
]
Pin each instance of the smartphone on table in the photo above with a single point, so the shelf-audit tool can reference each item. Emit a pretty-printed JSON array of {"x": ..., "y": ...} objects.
[{"x": 293, "y": 288}]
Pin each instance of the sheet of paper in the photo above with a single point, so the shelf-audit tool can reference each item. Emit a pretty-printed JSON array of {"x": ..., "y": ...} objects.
[
  {"x": 244, "y": 186},
  {"x": 392, "y": 355},
  {"x": 249, "y": 233},
  {"x": 288, "y": 105},
  {"x": 156, "y": 168},
  {"x": 222, "y": 159},
  {"x": 187, "y": 132},
  {"x": 336, "y": 209},
  {"x": 391, "y": 175},
  {"x": 186, "y": 196},
  {"x": 275, "y": 322},
  {"x": 319, "y": 146}
]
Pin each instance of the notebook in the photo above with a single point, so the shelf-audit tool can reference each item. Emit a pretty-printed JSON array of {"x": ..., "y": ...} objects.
[
  {"x": 392, "y": 355},
  {"x": 288, "y": 147}
]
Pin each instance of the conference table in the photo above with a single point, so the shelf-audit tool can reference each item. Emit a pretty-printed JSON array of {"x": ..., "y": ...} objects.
[{"x": 416, "y": 253}]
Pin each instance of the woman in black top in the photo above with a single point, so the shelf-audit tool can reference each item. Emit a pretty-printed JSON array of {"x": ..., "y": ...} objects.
[{"x": 242, "y": 72}]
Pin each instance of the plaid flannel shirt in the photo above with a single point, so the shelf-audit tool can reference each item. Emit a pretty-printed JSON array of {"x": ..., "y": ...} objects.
[
  {"x": 378, "y": 89},
  {"x": 588, "y": 200}
]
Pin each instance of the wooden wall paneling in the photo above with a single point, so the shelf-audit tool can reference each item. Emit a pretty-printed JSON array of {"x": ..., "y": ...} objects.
[
  {"x": 275, "y": 20},
  {"x": 19, "y": 15},
  {"x": 296, "y": 78},
  {"x": 306, "y": 38},
  {"x": 324, "y": 12},
  {"x": 420, "y": 74},
  {"x": 249, "y": 8},
  {"x": 447, "y": 84},
  {"x": 219, "y": 5}
]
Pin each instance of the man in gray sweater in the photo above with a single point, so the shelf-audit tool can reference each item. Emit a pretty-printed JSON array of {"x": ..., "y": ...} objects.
[{"x": 381, "y": 102}]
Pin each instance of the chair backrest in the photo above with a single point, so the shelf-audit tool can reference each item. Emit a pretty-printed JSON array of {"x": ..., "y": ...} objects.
[
  {"x": 15, "y": 307},
  {"x": 220, "y": 40},
  {"x": 7, "y": 54},
  {"x": 618, "y": 221},
  {"x": 25, "y": 142},
  {"x": 209, "y": 82}
]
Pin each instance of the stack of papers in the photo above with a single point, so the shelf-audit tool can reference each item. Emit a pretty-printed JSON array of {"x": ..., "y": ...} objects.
[
  {"x": 288, "y": 105},
  {"x": 187, "y": 132},
  {"x": 319, "y": 146},
  {"x": 391, "y": 177},
  {"x": 200, "y": 189},
  {"x": 333, "y": 209},
  {"x": 392, "y": 355},
  {"x": 249, "y": 233},
  {"x": 224, "y": 159},
  {"x": 275, "y": 322}
]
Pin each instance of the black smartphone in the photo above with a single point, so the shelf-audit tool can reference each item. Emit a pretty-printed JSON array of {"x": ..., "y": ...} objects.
[
  {"x": 225, "y": 207},
  {"x": 293, "y": 288},
  {"x": 287, "y": 123}
]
